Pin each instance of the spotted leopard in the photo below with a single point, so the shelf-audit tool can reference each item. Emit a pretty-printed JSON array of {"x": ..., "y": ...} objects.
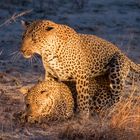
[
  {"x": 48, "y": 101},
  {"x": 69, "y": 55},
  {"x": 53, "y": 101}
]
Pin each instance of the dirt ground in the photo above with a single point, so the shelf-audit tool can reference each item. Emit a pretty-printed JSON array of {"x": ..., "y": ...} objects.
[{"x": 115, "y": 20}]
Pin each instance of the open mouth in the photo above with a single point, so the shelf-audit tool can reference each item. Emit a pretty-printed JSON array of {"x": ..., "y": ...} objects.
[{"x": 27, "y": 56}]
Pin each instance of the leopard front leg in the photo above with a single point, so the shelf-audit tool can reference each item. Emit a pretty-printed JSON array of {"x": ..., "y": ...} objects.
[
  {"x": 49, "y": 74},
  {"x": 49, "y": 77},
  {"x": 83, "y": 90}
]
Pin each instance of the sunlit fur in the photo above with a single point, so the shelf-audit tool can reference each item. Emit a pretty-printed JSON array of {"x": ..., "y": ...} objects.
[{"x": 68, "y": 55}]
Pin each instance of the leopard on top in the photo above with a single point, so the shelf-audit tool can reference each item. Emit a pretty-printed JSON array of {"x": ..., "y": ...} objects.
[{"x": 68, "y": 55}]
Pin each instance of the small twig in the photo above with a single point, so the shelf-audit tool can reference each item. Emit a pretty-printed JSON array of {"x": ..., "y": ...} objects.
[
  {"x": 14, "y": 17},
  {"x": 1, "y": 52}
]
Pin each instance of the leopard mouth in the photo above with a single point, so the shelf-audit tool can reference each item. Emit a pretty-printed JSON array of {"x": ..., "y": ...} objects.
[{"x": 27, "y": 55}]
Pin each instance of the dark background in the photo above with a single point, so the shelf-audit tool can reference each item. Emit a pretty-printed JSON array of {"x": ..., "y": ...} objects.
[{"x": 115, "y": 20}]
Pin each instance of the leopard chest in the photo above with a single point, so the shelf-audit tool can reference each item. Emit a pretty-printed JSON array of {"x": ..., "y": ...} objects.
[{"x": 55, "y": 67}]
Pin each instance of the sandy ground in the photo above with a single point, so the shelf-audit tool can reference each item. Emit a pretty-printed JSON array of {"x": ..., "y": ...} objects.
[{"x": 117, "y": 21}]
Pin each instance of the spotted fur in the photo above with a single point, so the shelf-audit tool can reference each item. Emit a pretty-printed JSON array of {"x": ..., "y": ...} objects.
[
  {"x": 53, "y": 101},
  {"x": 67, "y": 55},
  {"x": 49, "y": 101}
]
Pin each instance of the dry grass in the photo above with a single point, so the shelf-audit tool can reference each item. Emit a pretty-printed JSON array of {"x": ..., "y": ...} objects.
[
  {"x": 121, "y": 122},
  {"x": 125, "y": 119},
  {"x": 127, "y": 115}
]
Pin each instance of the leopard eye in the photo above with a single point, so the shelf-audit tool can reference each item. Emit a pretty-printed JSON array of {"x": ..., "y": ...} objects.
[
  {"x": 43, "y": 91},
  {"x": 27, "y": 105},
  {"x": 49, "y": 28}
]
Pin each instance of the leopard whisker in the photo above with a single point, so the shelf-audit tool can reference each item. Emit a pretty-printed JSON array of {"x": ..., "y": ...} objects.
[
  {"x": 38, "y": 60},
  {"x": 30, "y": 62},
  {"x": 34, "y": 59},
  {"x": 13, "y": 53},
  {"x": 16, "y": 56}
]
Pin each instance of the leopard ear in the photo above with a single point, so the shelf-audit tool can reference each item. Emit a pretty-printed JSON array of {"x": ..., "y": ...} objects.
[
  {"x": 24, "y": 90},
  {"x": 25, "y": 24}
]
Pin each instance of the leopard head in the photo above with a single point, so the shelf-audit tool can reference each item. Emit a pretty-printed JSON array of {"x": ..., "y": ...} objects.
[{"x": 44, "y": 36}]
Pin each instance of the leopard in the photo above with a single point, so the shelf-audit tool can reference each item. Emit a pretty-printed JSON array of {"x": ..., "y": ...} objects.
[
  {"x": 69, "y": 55},
  {"x": 47, "y": 101},
  {"x": 100, "y": 96}
]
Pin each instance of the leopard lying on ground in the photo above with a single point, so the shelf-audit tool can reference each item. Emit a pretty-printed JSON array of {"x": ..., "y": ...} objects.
[
  {"x": 48, "y": 101},
  {"x": 53, "y": 101},
  {"x": 68, "y": 55}
]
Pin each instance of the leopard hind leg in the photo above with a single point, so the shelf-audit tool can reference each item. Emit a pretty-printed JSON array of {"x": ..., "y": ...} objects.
[{"x": 118, "y": 71}]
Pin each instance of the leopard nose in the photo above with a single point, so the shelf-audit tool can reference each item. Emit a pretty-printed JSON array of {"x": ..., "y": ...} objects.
[
  {"x": 25, "y": 51},
  {"x": 22, "y": 50}
]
